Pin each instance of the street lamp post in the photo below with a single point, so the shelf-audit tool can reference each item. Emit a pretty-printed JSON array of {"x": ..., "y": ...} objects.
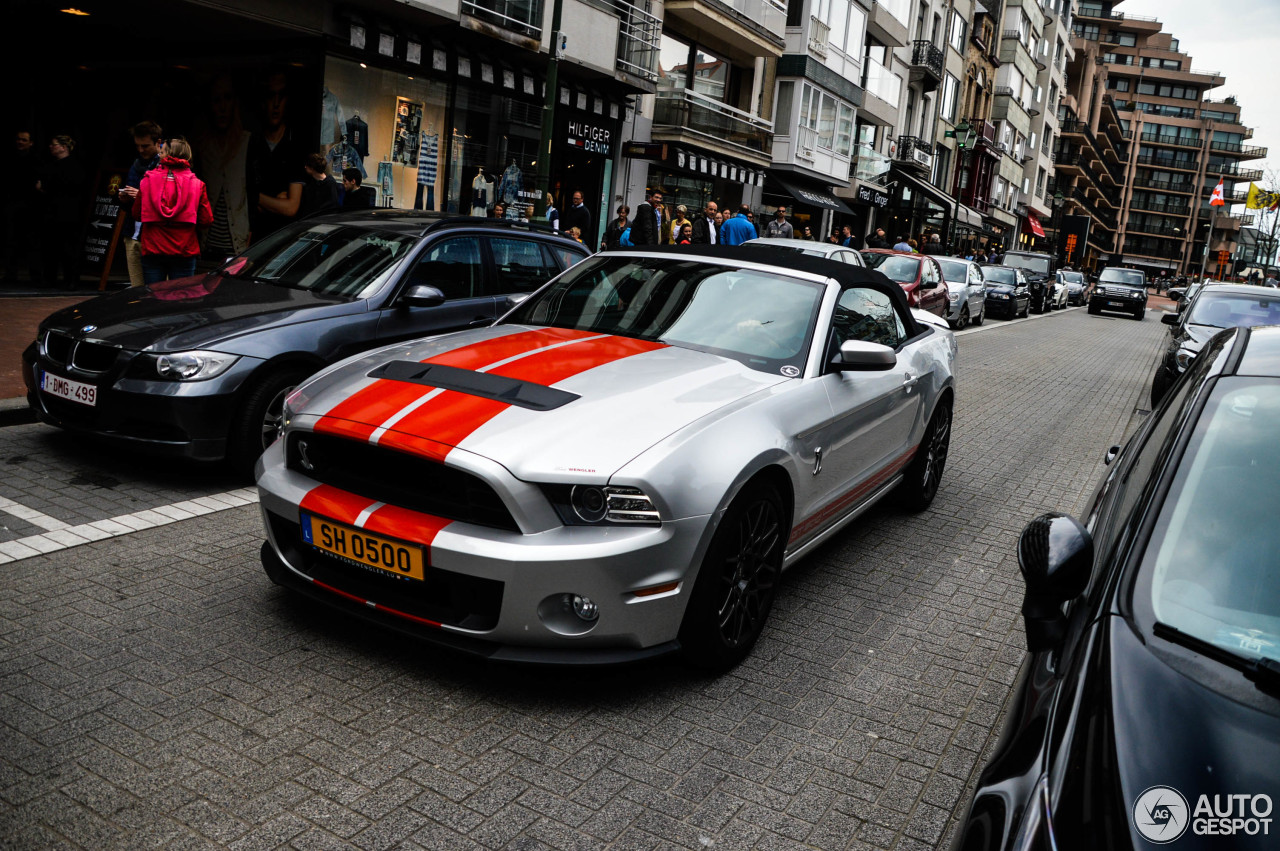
[{"x": 1058, "y": 198}]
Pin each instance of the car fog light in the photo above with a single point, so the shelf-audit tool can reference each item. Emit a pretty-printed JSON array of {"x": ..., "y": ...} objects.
[
  {"x": 589, "y": 502},
  {"x": 584, "y": 607}
]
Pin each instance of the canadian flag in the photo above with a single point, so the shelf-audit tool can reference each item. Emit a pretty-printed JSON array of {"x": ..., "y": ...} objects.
[{"x": 1216, "y": 200}]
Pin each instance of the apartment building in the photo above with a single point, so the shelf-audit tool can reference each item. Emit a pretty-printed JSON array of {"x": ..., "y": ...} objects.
[
  {"x": 1182, "y": 143},
  {"x": 978, "y": 157}
]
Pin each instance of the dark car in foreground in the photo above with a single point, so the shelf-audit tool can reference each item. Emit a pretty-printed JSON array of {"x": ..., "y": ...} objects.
[
  {"x": 919, "y": 275},
  {"x": 1148, "y": 708},
  {"x": 1215, "y": 308},
  {"x": 1008, "y": 293},
  {"x": 1120, "y": 289},
  {"x": 199, "y": 367}
]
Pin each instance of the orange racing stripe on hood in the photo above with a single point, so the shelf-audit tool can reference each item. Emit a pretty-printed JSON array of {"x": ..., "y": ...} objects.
[
  {"x": 452, "y": 416},
  {"x": 362, "y": 412}
]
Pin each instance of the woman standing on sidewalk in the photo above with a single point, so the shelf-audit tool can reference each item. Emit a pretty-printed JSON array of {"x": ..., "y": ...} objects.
[{"x": 172, "y": 202}]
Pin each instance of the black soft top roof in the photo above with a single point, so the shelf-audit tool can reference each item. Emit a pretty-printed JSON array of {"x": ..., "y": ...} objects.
[{"x": 846, "y": 274}]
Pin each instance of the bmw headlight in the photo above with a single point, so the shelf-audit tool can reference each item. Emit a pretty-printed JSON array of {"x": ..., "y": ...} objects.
[
  {"x": 193, "y": 366},
  {"x": 1184, "y": 357},
  {"x": 600, "y": 505}
]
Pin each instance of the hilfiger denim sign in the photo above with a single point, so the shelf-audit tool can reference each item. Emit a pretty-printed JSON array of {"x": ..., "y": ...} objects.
[{"x": 590, "y": 137}]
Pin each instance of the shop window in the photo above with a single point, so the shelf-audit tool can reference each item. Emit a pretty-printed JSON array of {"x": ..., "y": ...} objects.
[
  {"x": 453, "y": 266},
  {"x": 521, "y": 265}
]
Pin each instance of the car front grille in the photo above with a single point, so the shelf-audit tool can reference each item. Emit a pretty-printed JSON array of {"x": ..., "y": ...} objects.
[
  {"x": 397, "y": 478},
  {"x": 443, "y": 596},
  {"x": 85, "y": 355}
]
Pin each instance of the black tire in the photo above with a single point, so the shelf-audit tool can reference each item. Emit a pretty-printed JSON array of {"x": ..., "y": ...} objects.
[
  {"x": 737, "y": 581},
  {"x": 982, "y": 315},
  {"x": 921, "y": 478},
  {"x": 1026, "y": 311},
  {"x": 1159, "y": 387},
  {"x": 1139, "y": 313},
  {"x": 252, "y": 429},
  {"x": 1093, "y": 309}
]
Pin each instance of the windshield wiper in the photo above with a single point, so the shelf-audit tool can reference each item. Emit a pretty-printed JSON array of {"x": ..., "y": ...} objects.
[{"x": 1263, "y": 671}]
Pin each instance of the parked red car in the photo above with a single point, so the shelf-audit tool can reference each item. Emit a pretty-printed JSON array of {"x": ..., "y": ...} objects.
[{"x": 919, "y": 275}]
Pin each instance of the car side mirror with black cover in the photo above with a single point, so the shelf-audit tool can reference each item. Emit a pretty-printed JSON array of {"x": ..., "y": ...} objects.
[
  {"x": 862, "y": 356},
  {"x": 1169, "y": 319},
  {"x": 1055, "y": 555},
  {"x": 421, "y": 295}
]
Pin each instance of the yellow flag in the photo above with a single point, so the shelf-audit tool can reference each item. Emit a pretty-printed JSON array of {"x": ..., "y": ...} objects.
[{"x": 1260, "y": 200}]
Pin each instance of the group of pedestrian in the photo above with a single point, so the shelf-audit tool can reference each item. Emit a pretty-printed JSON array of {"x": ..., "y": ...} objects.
[{"x": 42, "y": 210}]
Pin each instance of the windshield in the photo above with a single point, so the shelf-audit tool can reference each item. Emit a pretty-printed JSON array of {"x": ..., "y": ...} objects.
[
  {"x": 896, "y": 267},
  {"x": 1072, "y": 278},
  {"x": 1130, "y": 277},
  {"x": 1215, "y": 544},
  {"x": 333, "y": 259},
  {"x": 1038, "y": 263},
  {"x": 1229, "y": 310},
  {"x": 954, "y": 270},
  {"x": 998, "y": 275},
  {"x": 762, "y": 319}
]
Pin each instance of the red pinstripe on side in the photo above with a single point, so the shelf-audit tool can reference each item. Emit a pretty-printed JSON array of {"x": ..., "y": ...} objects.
[
  {"x": 359, "y": 414},
  {"x": 841, "y": 503},
  {"x": 378, "y": 606}
]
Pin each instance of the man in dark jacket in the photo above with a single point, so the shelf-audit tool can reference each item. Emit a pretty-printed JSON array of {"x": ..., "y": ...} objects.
[
  {"x": 705, "y": 230},
  {"x": 934, "y": 245},
  {"x": 878, "y": 240},
  {"x": 146, "y": 140},
  {"x": 355, "y": 196},
  {"x": 578, "y": 216},
  {"x": 647, "y": 228}
]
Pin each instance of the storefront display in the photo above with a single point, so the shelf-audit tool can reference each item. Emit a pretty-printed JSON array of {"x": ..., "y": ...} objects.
[
  {"x": 372, "y": 113},
  {"x": 493, "y": 153}
]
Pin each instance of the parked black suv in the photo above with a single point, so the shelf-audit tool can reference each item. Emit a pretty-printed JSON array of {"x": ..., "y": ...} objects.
[
  {"x": 1038, "y": 269},
  {"x": 1120, "y": 289},
  {"x": 200, "y": 367}
]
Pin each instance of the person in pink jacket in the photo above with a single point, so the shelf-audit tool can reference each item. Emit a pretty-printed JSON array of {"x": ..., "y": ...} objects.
[{"x": 171, "y": 204}]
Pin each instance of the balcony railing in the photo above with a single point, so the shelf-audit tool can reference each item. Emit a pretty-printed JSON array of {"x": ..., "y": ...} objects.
[
  {"x": 1250, "y": 151},
  {"x": 639, "y": 40},
  {"x": 1163, "y": 162},
  {"x": 1159, "y": 207},
  {"x": 1155, "y": 230},
  {"x": 690, "y": 111},
  {"x": 1182, "y": 186},
  {"x": 870, "y": 165},
  {"x": 819, "y": 37},
  {"x": 881, "y": 82},
  {"x": 916, "y": 152},
  {"x": 519, "y": 16},
  {"x": 806, "y": 142},
  {"x": 1166, "y": 139},
  {"x": 927, "y": 58}
]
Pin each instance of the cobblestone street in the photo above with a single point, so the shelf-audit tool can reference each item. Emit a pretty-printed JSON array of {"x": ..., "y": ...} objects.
[{"x": 156, "y": 690}]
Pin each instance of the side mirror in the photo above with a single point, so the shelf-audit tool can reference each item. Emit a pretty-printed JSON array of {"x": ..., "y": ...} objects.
[
  {"x": 861, "y": 356},
  {"x": 421, "y": 295},
  {"x": 1111, "y": 455},
  {"x": 517, "y": 298},
  {"x": 1169, "y": 319},
  {"x": 1055, "y": 555}
]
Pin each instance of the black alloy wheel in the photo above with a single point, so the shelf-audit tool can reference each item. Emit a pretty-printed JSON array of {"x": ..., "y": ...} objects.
[
  {"x": 963, "y": 322},
  {"x": 923, "y": 475},
  {"x": 260, "y": 417},
  {"x": 737, "y": 581}
]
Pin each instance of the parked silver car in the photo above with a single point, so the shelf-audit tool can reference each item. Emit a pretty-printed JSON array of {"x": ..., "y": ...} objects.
[
  {"x": 966, "y": 291},
  {"x": 622, "y": 466},
  {"x": 813, "y": 249}
]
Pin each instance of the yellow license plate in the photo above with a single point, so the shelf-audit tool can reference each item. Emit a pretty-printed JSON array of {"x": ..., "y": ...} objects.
[{"x": 395, "y": 557}]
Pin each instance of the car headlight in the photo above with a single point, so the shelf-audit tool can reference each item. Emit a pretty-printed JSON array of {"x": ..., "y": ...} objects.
[
  {"x": 1183, "y": 358},
  {"x": 293, "y": 404},
  {"x": 600, "y": 505},
  {"x": 1001, "y": 295},
  {"x": 193, "y": 366}
]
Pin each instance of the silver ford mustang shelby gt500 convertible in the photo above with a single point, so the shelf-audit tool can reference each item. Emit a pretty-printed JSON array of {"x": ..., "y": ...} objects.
[{"x": 622, "y": 466}]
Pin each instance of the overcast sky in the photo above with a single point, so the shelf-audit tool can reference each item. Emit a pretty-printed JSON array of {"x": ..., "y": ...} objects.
[{"x": 1241, "y": 40}]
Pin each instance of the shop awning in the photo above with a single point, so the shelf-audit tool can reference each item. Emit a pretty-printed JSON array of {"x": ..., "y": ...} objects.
[
  {"x": 968, "y": 216},
  {"x": 812, "y": 196},
  {"x": 935, "y": 194},
  {"x": 1033, "y": 223}
]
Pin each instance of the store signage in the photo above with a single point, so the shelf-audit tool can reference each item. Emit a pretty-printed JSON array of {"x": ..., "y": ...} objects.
[
  {"x": 646, "y": 150},
  {"x": 867, "y": 195},
  {"x": 590, "y": 137}
]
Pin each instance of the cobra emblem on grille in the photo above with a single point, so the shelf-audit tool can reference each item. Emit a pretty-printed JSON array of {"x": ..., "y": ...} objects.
[{"x": 302, "y": 457}]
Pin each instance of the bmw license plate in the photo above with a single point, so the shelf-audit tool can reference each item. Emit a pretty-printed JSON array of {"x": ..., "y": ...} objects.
[
  {"x": 1115, "y": 304},
  {"x": 65, "y": 388},
  {"x": 363, "y": 548}
]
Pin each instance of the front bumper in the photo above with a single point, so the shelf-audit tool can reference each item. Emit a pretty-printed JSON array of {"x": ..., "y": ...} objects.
[
  {"x": 1117, "y": 302},
  {"x": 492, "y": 592},
  {"x": 168, "y": 418},
  {"x": 1001, "y": 306}
]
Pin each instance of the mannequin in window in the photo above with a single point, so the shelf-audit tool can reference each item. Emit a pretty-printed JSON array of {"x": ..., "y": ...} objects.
[{"x": 481, "y": 194}]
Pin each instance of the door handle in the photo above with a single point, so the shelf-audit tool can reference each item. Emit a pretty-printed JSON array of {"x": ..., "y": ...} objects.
[{"x": 909, "y": 380}]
